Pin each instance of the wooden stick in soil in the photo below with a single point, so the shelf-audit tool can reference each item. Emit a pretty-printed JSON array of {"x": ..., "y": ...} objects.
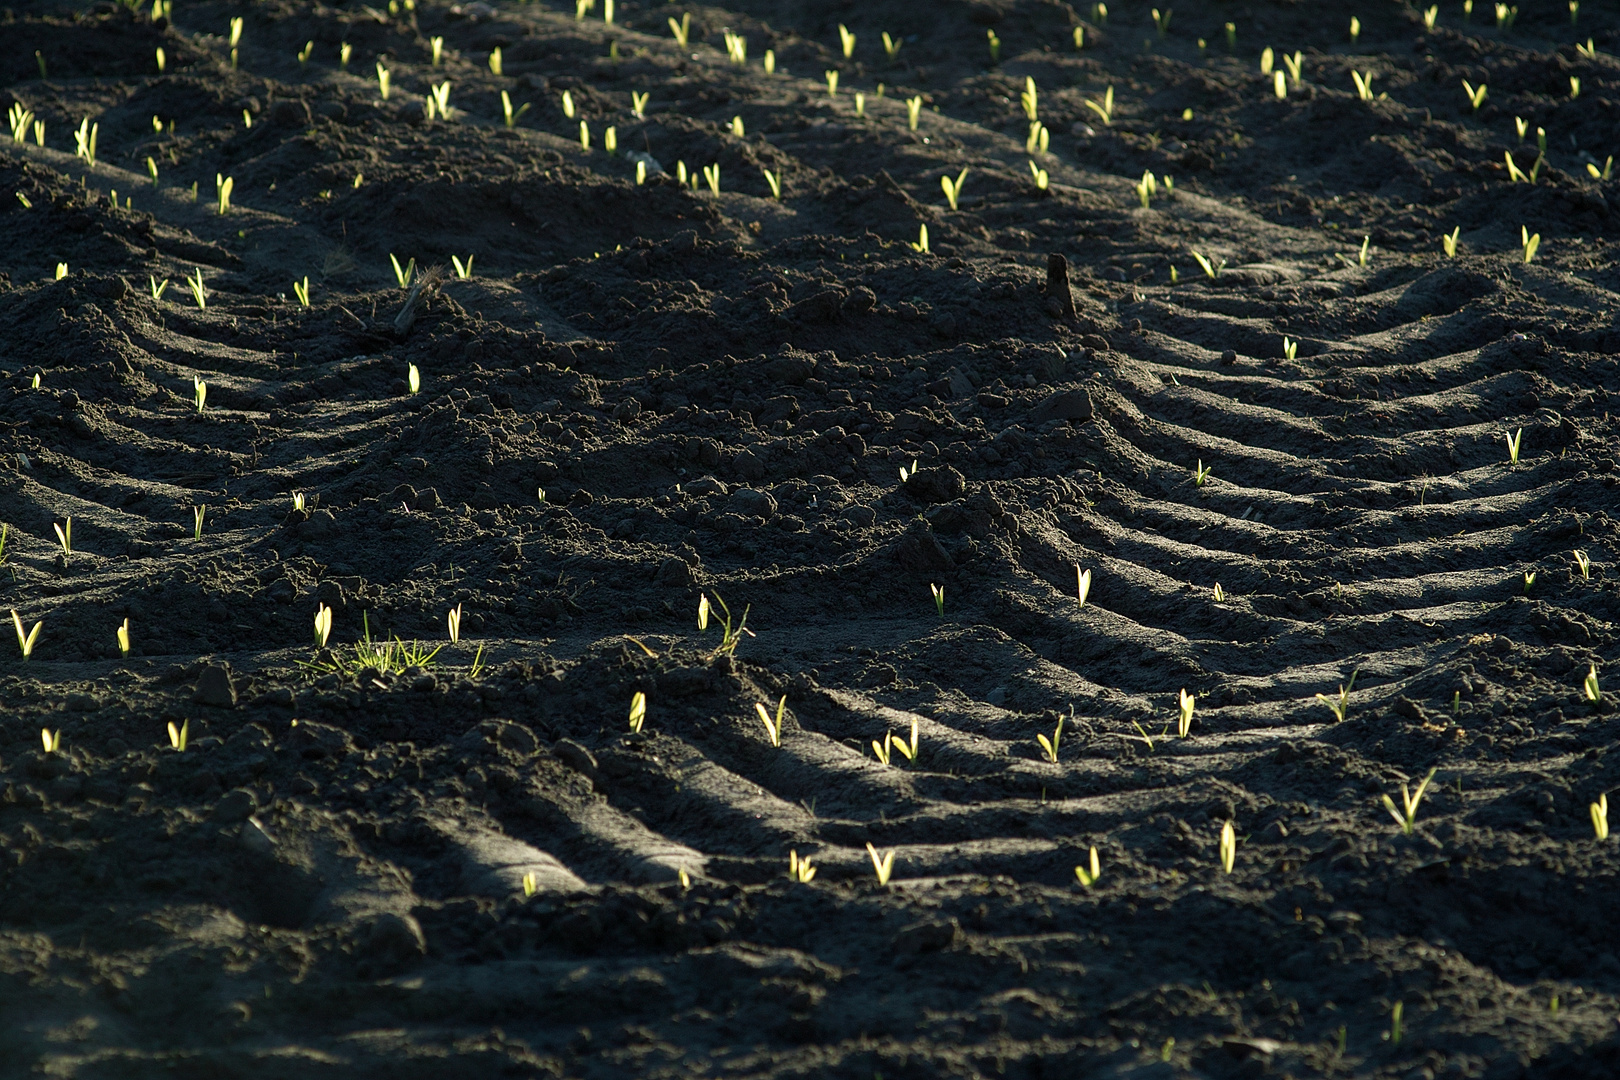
[
  {"x": 1059, "y": 297},
  {"x": 426, "y": 285}
]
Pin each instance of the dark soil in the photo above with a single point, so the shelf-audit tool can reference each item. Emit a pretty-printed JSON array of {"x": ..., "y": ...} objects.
[{"x": 464, "y": 864}]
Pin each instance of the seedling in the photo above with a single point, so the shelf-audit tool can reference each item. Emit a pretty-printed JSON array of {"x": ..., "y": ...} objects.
[
  {"x": 1340, "y": 703},
  {"x": 19, "y": 118},
  {"x": 847, "y": 40},
  {"x": 953, "y": 188},
  {"x": 1211, "y": 270},
  {"x": 1406, "y": 815},
  {"x": 1161, "y": 22},
  {"x": 1279, "y": 86},
  {"x": 300, "y": 290},
  {"x": 1079, "y": 38},
  {"x": 495, "y": 63},
  {"x": 995, "y": 46},
  {"x": 345, "y": 51},
  {"x": 1583, "y": 561},
  {"x": 730, "y": 636},
  {"x": 1530, "y": 242},
  {"x": 1514, "y": 441},
  {"x": 1448, "y": 242},
  {"x": 881, "y": 747},
  {"x": 1184, "y": 722},
  {"x": 1103, "y": 108},
  {"x": 1290, "y": 347},
  {"x": 1038, "y": 140},
  {"x": 737, "y": 126},
  {"x": 1219, "y": 594},
  {"x": 1605, "y": 173},
  {"x": 831, "y": 75},
  {"x": 1294, "y": 64},
  {"x": 531, "y": 884},
  {"x": 1228, "y": 846},
  {"x": 682, "y": 30},
  {"x": 1201, "y": 473},
  {"x": 891, "y": 46},
  {"x": 413, "y": 379},
  {"x": 799, "y": 869},
  {"x": 1363, "y": 83},
  {"x": 1146, "y": 188},
  {"x": 1430, "y": 15},
  {"x": 179, "y": 736},
  {"x": 773, "y": 728},
  {"x": 1600, "y": 817},
  {"x": 463, "y": 269},
  {"x": 769, "y": 62},
  {"x": 403, "y": 274},
  {"x": 198, "y": 293},
  {"x": 197, "y": 513},
  {"x": 199, "y": 391},
  {"x": 61, "y": 270},
  {"x": 323, "y": 625},
  {"x": 1399, "y": 1008},
  {"x": 436, "y": 44},
  {"x": 775, "y": 183},
  {"x": 1142, "y": 736},
  {"x": 1590, "y": 687},
  {"x": 909, "y": 750},
  {"x": 1030, "y": 99},
  {"x": 1355, "y": 29},
  {"x": 1574, "y": 86},
  {"x": 638, "y": 104},
  {"x": 610, "y": 139},
  {"x": 453, "y": 620},
  {"x": 26, "y": 641},
  {"x": 439, "y": 100},
  {"x": 1529, "y": 580},
  {"x": 1587, "y": 51},
  {"x": 1366, "y": 247},
  {"x": 913, "y": 111},
  {"x": 711, "y": 176},
  {"x": 52, "y": 740},
  {"x": 882, "y": 865},
  {"x": 84, "y": 141},
  {"x": 64, "y": 537},
  {"x": 1049, "y": 747},
  {"x": 1516, "y": 174},
  {"x": 123, "y": 639},
  {"x": 1088, "y": 877},
  {"x": 384, "y": 78},
  {"x": 921, "y": 244},
  {"x": 638, "y": 710},
  {"x": 737, "y": 52},
  {"x": 298, "y": 501},
  {"x": 568, "y": 104},
  {"x": 938, "y": 592},
  {"x": 1505, "y": 16},
  {"x": 1082, "y": 584}
]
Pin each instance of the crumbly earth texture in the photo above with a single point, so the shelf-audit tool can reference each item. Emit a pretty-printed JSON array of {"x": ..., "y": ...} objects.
[{"x": 1352, "y": 492}]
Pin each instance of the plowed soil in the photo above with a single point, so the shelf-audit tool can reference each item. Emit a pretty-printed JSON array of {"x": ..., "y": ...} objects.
[{"x": 1343, "y": 457}]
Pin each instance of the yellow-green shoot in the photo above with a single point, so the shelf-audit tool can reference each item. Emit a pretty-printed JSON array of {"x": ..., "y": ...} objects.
[
  {"x": 1201, "y": 473},
  {"x": 1146, "y": 188},
  {"x": 1529, "y": 242},
  {"x": 61, "y": 270},
  {"x": 1049, "y": 747},
  {"x": 403, "y": 274},
  {"x": 831, "y": 75},
  {"x": 1584, "y": 562},
  {"x": 438, "y": 100},
  {"x": 1161, "y": 21},
  {"x": 413, "y": 379},
  {"x": 463, "y": 269},
  {"x": 846, "y": 40},
  {"x": 1228, "y": 847},
  {"x": 1355, "y": 30},
  {"x": 1605, "y": 173},
  {"x": 1185, "y": 704},
  {"x": 1600, "y": 817},
  {"x": 882, "y": 865},
  {"x": 769, "y": 62},
  {"x": 1088, "y": 875},
  {"x": 436, "y": 44},
  {"x": 179, "y": 736},
  {"x": 1030, "y": 99},
  {"x": 737, "y": 51},
  {"x": 84, "y": 141},
  {"x": 123, "y": 639},
  {"x": 1475, "y": 94},
  {"x": 773, "y": 727},
  {"x": 197, "y": 514},
  {"x": 995, "y": 46},
  {"x": 711, "y": 176},
  {"x": 1082, "y": 582},
  {"x": 938, "y": 593},
  {"x": 1514, "y": 441},
  {"x": 920, "y": 245},
  {"x": 1294, "y": 64},
  {"x": 953, "y": 188},
  {"x": 25, "y": 641},
  {"x": 638, "y": 710},
  {"x": 799, "y": 869},
  {"x": 682, "y": 30},
  {"x": 509, "y": 115},
  {"x": 52, "y": 740},
  {"x": 531, "y": 883},
  {"x": 1219, "y": 593},
  {"x": 345, "y": 51},
  {"x": 301, "y": 291},
  {"x": 198, "y": 293},
  {"x": 891, "y": 46},
  {"x": 1431, "y": 14},
  {"x": 199, "y": 391},
  {"x": 453, "y": 621},
  {"x": 1290, "y": 348},
  {"x": 384, "y": 80},
  {"x": 1448, "y": 242},
  {"x": 881, "y": 747},
  {"x": 64, "y": 537},
  {"x": 323, "y": 625},
  {"x": 1363, "y": 81},
  {"x": 1212, "y": 270},
  {"x": 775, "y": 183},
  {"x": 1590, "y": 687},
  {"x": 568, "y": 104},
  {"x": 638, "y": 104},
  {"x": 909, "y": 751},
  {"x": 1043, "y": 180},
  {"x": 495, "y": 65},
  {"x": 1104, "y": 108},
  {"x": 1406, "y": 814},
  {"x": 1340, "y": 702},
  {"x": 913, "y": 111},
  {"x": 157, "y": 286}
]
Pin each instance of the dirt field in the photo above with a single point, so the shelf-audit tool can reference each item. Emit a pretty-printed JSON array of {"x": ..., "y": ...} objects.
[{"x": 1322, "y": 452}]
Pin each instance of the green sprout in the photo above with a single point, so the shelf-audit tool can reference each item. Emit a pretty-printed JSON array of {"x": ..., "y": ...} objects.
[
  {"x": 882, "y": 865},
  {"x": 1529, "y": 242},
  {"x": 773, "y": 728},
  {"x": 463, "y": 269},
  {"x": 1185, "y": 704},
  {"x": 1228, "y": 847},
  {"x": 1161, "y": 23},
  {"x": 61, "y": 270},
  {"x": 1104, "y": 108},
  {"x": 1030, "y": 99},
  {"x": 179, "y": 736},
  {"x": 1406, "y": 815},
  {"x": 198, "y": 293},
  {"x": 1355, "y": 29},
  {"x": 910, "y": 751},
  {"x": 413, "y": 379},
  {"x": 1290, "y": 348},
  {"x": 1082, "y": 579},
  {"x": 799, "y": 869},
  {"x": 123, "y": 639},
  {"x": 1340, "y": 703},
  {"x": 881, "y": 747},
  {"x": 1088, "y": 877},
  {"x": 199, "y": 391},
  {"x": 52, "y": 740},
  {"x": 1363, "y": 81},
  {"x": 1448, "y": 242},
  {"x": 1584, "y": 561},
  {"x": 438, "y": 100},
  {"x": 1604, "y": 173},
  {"x": 64, "y": 537},
  {"x": 771, "y": 178},
  {"x": 995, "y": 46},
  {"x": 1146, "y": 188},
  {"x": 1514, "y": 441},
  {"x": 1211, "y": 270},
  {"x": 737, "y": 51},
  {"x": 1200, "y": 473},
  {"x": 1294, "y": 64},
  {"x": 403, "y": 274},
  {"x": 847, "y": 40},
  {"x": 301, "y": 291},
  {"x": 913, "y": 111},
  {"x": 1529, "y": 581},
  {"x": 891, "y": 46},
  {"x": 1049, "y": 747},
  {"x": 953, "y": 188},
  {"x": 638, "y": 103},
  {"x": 84, "y": 141},
  {"x": 1399, "y": 1008},
  {"x": 1366, "y": 246},
  {"x": 682, "y": 30},
  {"x": 1590, "y": 687},
  {"x": 1430, "y": 15},
  {"x": 920, "y": 246},
  {"x": 938, "y": 592},
  {"x": 509, "y": 115},
  {"x": 453, "y": 619},
  {"x": 711, "y": 176},
  {"x": 531, "y": 883},
  {"x": 323, "y": 625},
  {"x": 1600, "y": 817},
  {"x": 26, "y": 641},
  {"x": 730, "y": 636},
  {"x": 1043, "y": 180},
  {"x": 197, "y": 513},
  {"x": 638, "y": 711},
  {"x": 831, "y": 75},
  {"x": 298, "y": 501},
  {"x": 384, "y": 80},
  {"x": 1219, "y": 593},
  {"x": 770, "y": 59}
]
